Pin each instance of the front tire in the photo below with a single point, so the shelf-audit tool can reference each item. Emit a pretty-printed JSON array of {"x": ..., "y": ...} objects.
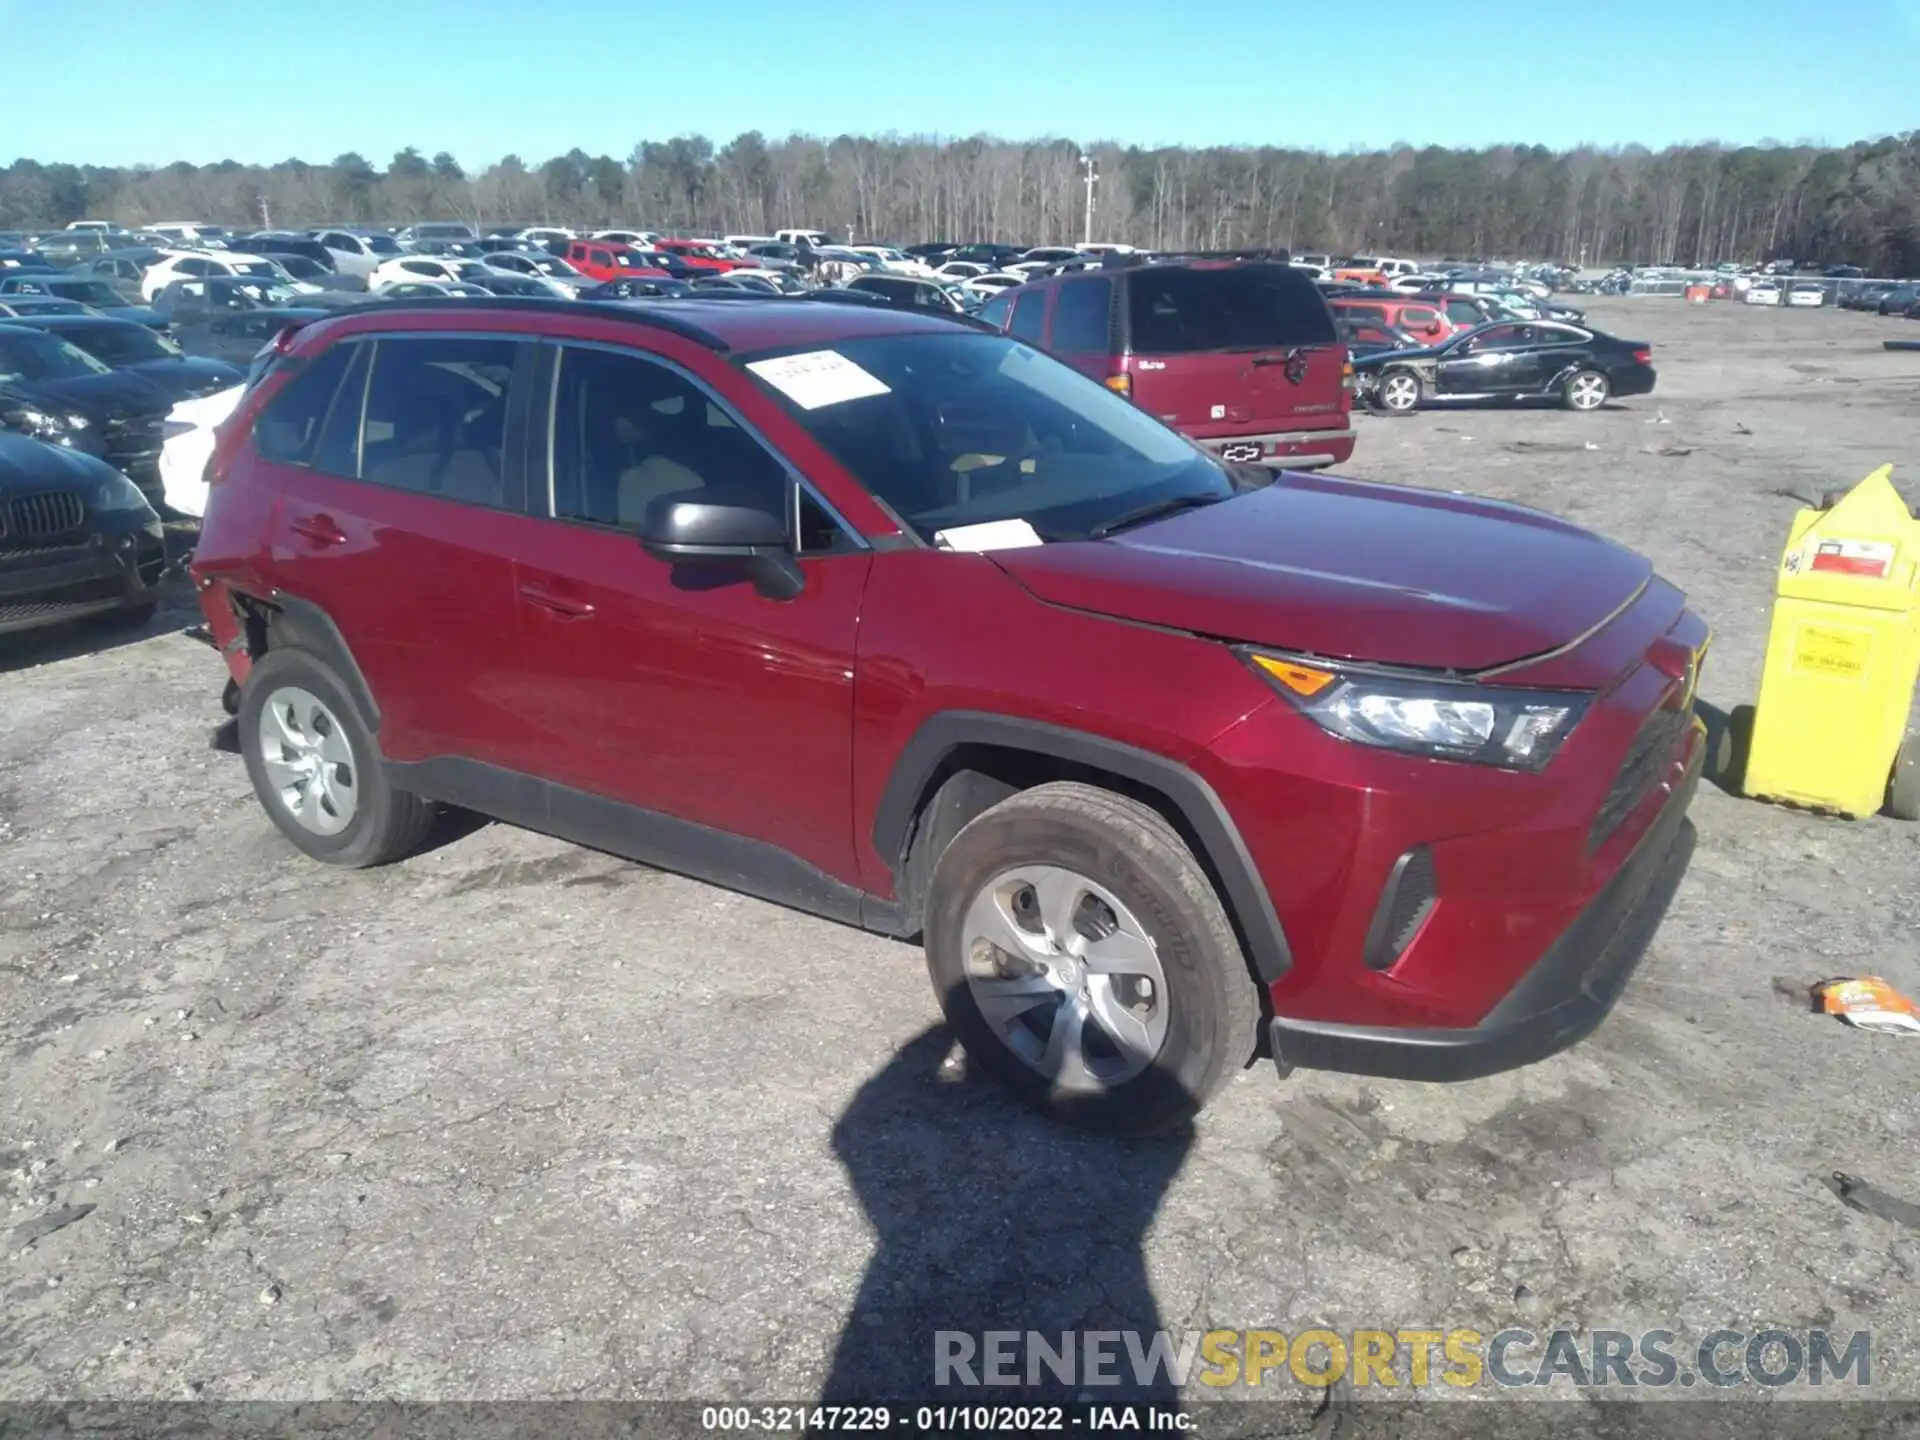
[
  {"x": 1585, "y": 390},
  {"x": 1399, "y": 392},
  {"x": 316, "y": 769},
  {"x": 1083, "y": 959}
]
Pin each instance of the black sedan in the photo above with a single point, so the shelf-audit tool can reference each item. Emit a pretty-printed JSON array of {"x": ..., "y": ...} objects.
[
  {"x": 77, "y": 538},
  {"x": 135, "y": 349},
  {"x": 56, "y": 392},
  {"x": 638, "y": 287},
  {"x": 1515, "y": 360},
  {"x": 93, "y": 293},
  {"x": 1373, "y": 337}
]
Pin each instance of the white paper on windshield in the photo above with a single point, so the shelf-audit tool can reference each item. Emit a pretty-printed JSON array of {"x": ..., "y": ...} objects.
[
  {"x": 990, "y": 535},
  {"x": 817, "y": 378}
]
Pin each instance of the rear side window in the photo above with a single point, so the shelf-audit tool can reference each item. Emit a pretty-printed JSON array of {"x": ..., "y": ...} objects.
[
  {"x": 288, "y": 426},
  {"x": 996, "y": 310},
  {"x": 1029, "y": 316},
  {"x": 1418, "y": 317},
  {"x": 436, "y": 417},
  {"x": 1173, "y": 310},
  {"x": 1083, "y": 317}
]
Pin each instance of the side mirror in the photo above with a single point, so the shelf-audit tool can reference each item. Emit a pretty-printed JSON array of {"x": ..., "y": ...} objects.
[{"x": 689, "y": 532}]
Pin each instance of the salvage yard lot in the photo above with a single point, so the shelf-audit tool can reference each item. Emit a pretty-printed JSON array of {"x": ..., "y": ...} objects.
[{"x": 515, "y": 1119}]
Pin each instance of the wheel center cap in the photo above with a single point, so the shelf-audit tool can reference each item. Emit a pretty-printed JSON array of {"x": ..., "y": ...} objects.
[{"x": 1066, "y": 972}]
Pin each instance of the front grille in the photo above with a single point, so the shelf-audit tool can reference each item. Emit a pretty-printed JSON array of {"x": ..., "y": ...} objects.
[
  {"x": 132, "y": 441},
  {"x": 1404, "y": 906},
  {"x": 1646, "y": 762},
  {"x": 42, "y": 517}
]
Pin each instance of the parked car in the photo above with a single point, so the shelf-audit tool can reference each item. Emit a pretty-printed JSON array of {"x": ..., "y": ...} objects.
[
  {"x": 191, "y": 235},
  {"x": 425, "y": 267},
  {"x": 1763, "y": 292},
  {"x": 1394, "y": 776},
  {"x": 188, "y": 302},
  {"x": 1241, "y": 356},
  {"x": 908, "y": 293},
  {"x": 435, "y": 230},
  {"x": 700, "y": 255},
  {"x": 187, "y": 442},
  {"x": 277, "y": 243},
  {"x": 639, "y": 239},
  {"x": 24, "y": 260},
  {"x": 234, "y": 263},
  {"x": 638, "y": 287},
  {"x": 993, "y": 283},
  {"x": 1806, "y": 293},
  {"x": 355, "y": 254},
  {"x": 434, "y": 290},
  {"x": 1511, "y": 360},
  {"x": 122, "y": 269},
  {"x": 1893, "y": 301},
  {"x": 11, "y": 305},
  {"x": 77, "y": 539},
  {"x": 236, "y": 336},
  {"x": 610, "y": 260},
  {"x": 96, "y": 295},
  {"x": 58, "y": 393},
  {"x": 562, "y": 279},
  {"x": 1370, "y": 337},
  {"x": 520, "y": 287},
  {"x": 136, "y": 350},
  {"x": 893, "y": 260},
  {"x": 1417, "y": 314}
]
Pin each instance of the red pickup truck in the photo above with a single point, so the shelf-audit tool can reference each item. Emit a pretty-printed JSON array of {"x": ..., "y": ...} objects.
[
  {"x": 610, "y": 260},
  {"x": 701, "y": 255}
]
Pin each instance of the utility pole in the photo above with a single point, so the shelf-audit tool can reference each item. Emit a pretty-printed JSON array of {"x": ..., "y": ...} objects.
[
  {"x": 266, "y": 216},
  {"x": 1092, "y": 178}
]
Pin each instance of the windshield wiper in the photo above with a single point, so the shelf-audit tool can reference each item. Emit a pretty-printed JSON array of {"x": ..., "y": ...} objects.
[{"x": 1145, "y": 513}]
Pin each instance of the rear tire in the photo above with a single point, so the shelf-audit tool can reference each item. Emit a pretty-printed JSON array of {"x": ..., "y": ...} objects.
[
  {"x": 316, "y": 769},
  {"x": 1585, "y": 390},
  {"x": 1146, "y": 960},
  {"x": 1903, "y": 786}
]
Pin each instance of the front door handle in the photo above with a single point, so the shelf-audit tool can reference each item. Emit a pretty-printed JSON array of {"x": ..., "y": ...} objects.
[
  {"x": 320, "y": 529},
  {"x": 561, "y": 605}
]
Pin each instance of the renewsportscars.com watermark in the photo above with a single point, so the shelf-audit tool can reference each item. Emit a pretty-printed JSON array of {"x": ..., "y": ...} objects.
[{"x": 1401, "y": 1359}]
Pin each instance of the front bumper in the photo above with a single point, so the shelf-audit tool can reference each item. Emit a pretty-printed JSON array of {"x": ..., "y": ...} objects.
[
  {"x": 1555, "y": 1004},
  {"x": 108, "y": 569}
]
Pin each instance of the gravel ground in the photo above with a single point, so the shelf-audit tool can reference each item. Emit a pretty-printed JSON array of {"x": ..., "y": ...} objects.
[{"x": 515, "y": 1119}]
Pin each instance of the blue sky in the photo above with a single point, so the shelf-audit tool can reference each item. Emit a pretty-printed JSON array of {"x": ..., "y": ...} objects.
[{"x": 207, "y": 80}]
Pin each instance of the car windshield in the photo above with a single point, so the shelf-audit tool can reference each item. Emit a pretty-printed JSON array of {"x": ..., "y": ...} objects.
[
  {"x": 87, "y": 292},
  {"x": 267, "y": 294},
  {"x": 263, "y": 268},
  {"x": 30, "y": 356},
  {"x": 122, "y": 344},
  {"x": 961, "y": 429},
  {"x": 381, "y": 244},
  {"x": 552, "y": 265}
]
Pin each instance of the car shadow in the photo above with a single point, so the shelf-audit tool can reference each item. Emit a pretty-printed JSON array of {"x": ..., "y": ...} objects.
[
  {"x": 71, "y": 639},
  {"x": 989, "y": 1217}
]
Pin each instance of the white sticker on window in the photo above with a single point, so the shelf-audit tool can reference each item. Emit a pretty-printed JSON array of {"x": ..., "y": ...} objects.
[
  {"x": 818, "y": 378},
  {"x": 989, "y": 535}
]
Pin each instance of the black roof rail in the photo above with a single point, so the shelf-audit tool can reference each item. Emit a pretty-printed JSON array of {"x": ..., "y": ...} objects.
[{"x": 633, "y": 312}]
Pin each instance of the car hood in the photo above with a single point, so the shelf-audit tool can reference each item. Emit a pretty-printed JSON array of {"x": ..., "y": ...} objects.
[
  {"x": 27, "y": 465},
  {"x": 1351, "y": 570},
  {"x": 120, "y": 392},
  {"x": 139, "y": 314},
  {"x": 186, "y": 377}
]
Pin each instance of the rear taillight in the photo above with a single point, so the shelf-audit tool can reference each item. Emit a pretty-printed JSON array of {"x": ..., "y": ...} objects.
[
  {"x": 1643, "y": 355},
  {"x": 1346, "y": 375},
  {"x": 1120, "y": 384}
]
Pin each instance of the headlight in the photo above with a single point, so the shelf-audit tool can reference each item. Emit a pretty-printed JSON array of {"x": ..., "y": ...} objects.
[
  {"x": 117, "y": 494},
  {"x": 1514, "y": 729},
  {"x": 29, "y": 420}
]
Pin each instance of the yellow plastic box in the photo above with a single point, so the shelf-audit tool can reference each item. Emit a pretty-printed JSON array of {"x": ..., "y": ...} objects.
[{"x": 1842, "y": 656}]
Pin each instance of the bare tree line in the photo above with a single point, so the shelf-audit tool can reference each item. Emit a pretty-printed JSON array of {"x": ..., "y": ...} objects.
[{"x": 1692, "y": 204}]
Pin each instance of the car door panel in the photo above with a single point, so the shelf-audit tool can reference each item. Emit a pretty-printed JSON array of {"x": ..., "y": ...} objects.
[{"x": 681, "y": 690}]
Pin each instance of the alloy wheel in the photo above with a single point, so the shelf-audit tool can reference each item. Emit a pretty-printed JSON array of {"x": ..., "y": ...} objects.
[
  {"x": 1588, "y": 392},
  {"x": 308, "y": 762},
  {"x": 1066, "y": 977},
  {"x": 1400, "y": 392}
]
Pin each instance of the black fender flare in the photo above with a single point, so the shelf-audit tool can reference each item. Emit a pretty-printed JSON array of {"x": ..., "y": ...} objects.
[
  {"x": 1222, "y": 849},
  {"x": 303, "y": 625}
]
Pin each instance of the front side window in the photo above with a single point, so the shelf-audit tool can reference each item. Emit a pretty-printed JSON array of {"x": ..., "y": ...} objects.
[
  {"x": 628, "y": 432},
  {"x": 436, "y": 417},
  {"x": 959, "y": 429}
]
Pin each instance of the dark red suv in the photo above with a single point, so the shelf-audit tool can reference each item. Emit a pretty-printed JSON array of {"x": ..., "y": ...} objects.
[
  {"x": 907, "y": 624},
  {"x": 1242, "y": 356}
]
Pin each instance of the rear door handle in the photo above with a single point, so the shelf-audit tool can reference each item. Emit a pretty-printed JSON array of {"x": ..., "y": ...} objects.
[
  {"x": 563, "y": 606},
  {"x": 320, "y": 529}
]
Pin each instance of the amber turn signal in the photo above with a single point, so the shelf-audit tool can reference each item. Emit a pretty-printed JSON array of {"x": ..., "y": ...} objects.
[{"x": 1302, "y": 680}]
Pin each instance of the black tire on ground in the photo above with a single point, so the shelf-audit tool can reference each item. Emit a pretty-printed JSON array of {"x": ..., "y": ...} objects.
[
  {"x": 1903, "y": 786},
  {"x": 1214, "y": 1006},
  {"x": 1585, "y": 378},
  {"x": 387, "y": 823},
  {"x": 1399, "y": 379}
]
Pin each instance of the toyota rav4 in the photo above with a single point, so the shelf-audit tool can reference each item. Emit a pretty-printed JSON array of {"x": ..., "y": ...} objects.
[{"x": 1168, "y": 762}]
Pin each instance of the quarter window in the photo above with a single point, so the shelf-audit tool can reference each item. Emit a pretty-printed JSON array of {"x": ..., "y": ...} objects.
[
  {"x": 1029, "y": 317},
  {"x": 1083, "y": 317}
]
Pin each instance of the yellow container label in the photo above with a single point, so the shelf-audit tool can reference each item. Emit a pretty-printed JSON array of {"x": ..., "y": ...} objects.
[{"x": 1832, "y": 650}]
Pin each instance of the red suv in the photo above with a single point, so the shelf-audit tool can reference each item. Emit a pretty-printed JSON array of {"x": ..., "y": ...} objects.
[
  {"x": 1242, "y": 357},
  {"x": 610, "y": 260},
  {"x": 907, "y": 624}
]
